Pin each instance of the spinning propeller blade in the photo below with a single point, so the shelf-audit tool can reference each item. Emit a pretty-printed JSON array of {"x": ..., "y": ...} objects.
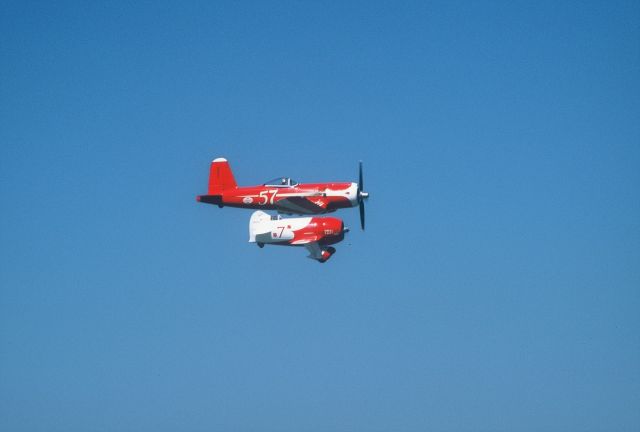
[{"x": 361, "y": 195}]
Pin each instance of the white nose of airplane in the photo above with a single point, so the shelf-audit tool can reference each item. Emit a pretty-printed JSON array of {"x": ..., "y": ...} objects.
[{"x": 353, "y": 194}]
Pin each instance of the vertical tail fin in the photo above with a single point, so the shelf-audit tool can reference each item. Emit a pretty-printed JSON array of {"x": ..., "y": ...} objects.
[
  {"x": 258, "y": 224},
  {"x": 220, "y": 176}
]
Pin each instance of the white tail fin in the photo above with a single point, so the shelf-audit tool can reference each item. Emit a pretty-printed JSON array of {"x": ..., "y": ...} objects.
[{"x": 259, "y": 223}]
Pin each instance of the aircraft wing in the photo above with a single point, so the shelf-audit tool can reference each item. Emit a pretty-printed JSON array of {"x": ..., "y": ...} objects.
[{"x": 300, "y": 205}]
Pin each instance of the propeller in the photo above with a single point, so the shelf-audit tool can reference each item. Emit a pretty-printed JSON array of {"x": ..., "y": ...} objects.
[{"x": 362, "y": 195}]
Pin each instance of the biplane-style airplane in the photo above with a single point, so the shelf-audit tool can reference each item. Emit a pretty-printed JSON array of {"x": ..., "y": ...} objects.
[
  {"x": 282, "y": 193},
  {"x": 314, "y": 233}
]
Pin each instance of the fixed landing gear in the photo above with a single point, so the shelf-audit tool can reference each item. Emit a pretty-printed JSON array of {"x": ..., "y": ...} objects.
[{"x": 326, "y": 254}]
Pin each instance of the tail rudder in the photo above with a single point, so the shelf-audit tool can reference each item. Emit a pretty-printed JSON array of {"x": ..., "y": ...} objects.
[
  {"x": 258, "y": 224},
  {"x": 220, "y": 176}
]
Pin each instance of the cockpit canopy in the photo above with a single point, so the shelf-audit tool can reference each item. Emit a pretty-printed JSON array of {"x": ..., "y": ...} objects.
[{"x": 281, "y": 182}]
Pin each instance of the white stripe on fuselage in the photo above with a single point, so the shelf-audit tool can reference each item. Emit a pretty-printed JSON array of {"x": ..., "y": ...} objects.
[
  {"x": 292, "y": 194},
  {"x": 350, "y": 193}
]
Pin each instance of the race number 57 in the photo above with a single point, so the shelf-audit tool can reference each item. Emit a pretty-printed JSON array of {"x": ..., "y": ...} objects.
[{"x": 268, "y": 196}]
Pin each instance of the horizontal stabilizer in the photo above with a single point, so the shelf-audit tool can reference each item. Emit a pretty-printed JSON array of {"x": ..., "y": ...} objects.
[{"x": 210, "y": 199}]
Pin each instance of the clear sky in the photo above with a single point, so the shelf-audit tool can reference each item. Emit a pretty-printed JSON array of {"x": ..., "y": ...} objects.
[{"x": 497, "y": 287}]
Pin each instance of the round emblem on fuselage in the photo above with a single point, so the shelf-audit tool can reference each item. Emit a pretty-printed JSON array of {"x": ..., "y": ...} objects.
[{"x": 247, "y": 200}]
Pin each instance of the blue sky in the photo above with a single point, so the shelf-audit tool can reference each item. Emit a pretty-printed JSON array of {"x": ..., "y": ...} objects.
[{"x": 497, "y": 286}]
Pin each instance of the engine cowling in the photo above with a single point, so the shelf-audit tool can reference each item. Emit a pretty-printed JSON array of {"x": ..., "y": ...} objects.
[{"x": 324, "y": 230}]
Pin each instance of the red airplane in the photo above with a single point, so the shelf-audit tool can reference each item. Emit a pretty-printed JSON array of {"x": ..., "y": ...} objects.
[
  {"x": 314, "y": 233},
  {"x": 282, "y": 193}
]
